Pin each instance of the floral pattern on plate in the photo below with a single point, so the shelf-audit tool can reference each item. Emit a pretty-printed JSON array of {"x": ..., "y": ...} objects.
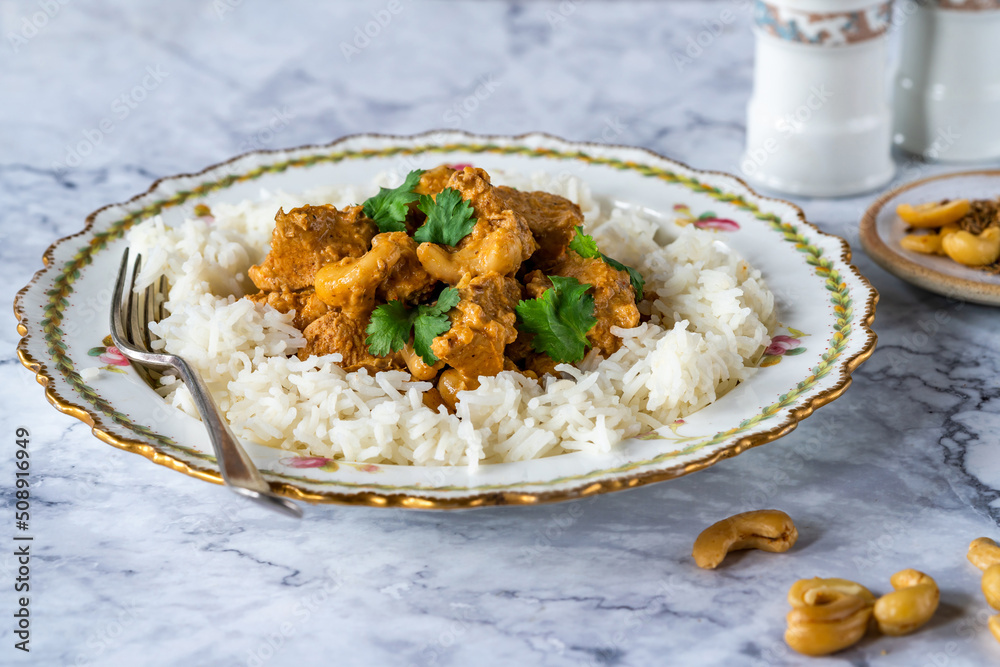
[
  {"x": 706, "y": 220},
  {"x": 112, "y": 357}
]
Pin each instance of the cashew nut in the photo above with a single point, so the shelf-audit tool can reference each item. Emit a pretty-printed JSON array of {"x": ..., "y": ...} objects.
[
  {"x": 912, "y": 604},
  {"x": 991, "y": 585},
  {"x": 983, "y": 552},
  {"x": 348, "y": 282},
  {"x": 994, "y": 624},
  {"x": 827, "y": 615},
  {"x": 928, "y": 244},
  {"x": 767, "y": 530},
  {"x": 934, "y": 214},
  {"x": 972, "y": 250}
]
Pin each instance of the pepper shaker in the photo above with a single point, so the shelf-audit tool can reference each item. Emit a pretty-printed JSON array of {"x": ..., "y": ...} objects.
[{"x": 947, "y": 87}]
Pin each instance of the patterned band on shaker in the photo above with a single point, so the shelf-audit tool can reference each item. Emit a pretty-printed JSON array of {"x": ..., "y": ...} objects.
[
  {"x": 828, "y": 28},
  {"x": 968, "y": 5}
]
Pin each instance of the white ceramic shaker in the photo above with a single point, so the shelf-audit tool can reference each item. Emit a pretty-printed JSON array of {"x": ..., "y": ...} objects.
[
  {"x": 947, "y": 88},
  {"x": 819, "y": 122}
]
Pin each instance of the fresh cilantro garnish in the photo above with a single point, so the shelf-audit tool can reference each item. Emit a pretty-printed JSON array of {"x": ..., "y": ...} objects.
[
  {"x": 449, "y": 218},
  {"x": 388, "y": 208},
  {"x": 432, "y": 321},
  {"x": 585, "y": 246},
  {"x": 389, "y": 328},
  {"x": 391, "y": 324},
  {"x": 560, "y": 319}
]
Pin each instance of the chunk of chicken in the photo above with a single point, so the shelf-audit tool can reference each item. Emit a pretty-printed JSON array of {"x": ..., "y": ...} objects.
[
  {"x": 308, "y": 238},
  {"x": 344, "y": 332},
  {"x": 407, "y": 280},
  {"x": 614, "y": 298},
  {"x": 551, "y": 218},
  {"x": 499, "y": 243},
  {"x": 482, "y": 325},
  {"x": 307, "y": 306}
]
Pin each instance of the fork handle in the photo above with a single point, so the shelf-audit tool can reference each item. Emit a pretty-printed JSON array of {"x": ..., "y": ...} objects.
[{"x": 237, "y": 468}]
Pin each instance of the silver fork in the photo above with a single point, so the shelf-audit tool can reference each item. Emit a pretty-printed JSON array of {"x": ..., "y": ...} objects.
[{"x": 130, "y": 316}]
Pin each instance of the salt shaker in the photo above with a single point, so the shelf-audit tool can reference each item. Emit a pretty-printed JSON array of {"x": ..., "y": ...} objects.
[
  {"x": 947, "y": 87},
  {"x": 819, "y": 121}
]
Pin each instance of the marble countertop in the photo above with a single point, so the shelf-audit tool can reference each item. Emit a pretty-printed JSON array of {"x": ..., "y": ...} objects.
[{"x": 135, "y": 564}]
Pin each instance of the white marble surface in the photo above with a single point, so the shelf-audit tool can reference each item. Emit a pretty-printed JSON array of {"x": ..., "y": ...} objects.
[{"x": 135, "y": 564}]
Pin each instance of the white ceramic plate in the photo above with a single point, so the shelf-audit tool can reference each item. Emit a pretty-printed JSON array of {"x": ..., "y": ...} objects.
[
  {"x": 826, "y": 306},
  {"x": 881, "y": 231}
]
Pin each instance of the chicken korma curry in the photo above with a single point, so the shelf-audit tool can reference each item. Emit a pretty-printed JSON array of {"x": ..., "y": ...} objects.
[{"x": 448, "y": 277}]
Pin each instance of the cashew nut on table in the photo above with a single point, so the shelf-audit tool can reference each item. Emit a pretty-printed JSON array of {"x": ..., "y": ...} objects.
[
  {"x": 984, "y": 553},
  {"x": 827, "y": 615},
  {"x": 767, "y": 530},
  {"x": 912, "y": 604}
]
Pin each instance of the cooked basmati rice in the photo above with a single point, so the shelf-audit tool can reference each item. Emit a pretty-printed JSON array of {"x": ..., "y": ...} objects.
[{"x": 708, "y": 322}]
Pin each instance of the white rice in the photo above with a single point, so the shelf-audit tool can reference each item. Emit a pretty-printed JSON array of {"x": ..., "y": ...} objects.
[{"x": 709, "y": 321}]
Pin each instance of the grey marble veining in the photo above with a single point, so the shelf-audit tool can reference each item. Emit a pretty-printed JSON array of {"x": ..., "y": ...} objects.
[{"x": 135, "y": 564}]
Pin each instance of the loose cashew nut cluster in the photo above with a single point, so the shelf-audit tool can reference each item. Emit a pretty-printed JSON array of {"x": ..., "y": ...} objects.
[
  {"x": 767, "y": 530},
  {"x": 984, "y": 553},
  {"x": 827, "y": 615},
  {"x": 912, "y": 604}
]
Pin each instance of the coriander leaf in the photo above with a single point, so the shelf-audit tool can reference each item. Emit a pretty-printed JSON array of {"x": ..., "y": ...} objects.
[
  {"x": 389, "y": 328},
  {"x": 431, "y": 322},
  {"x": 447, "y": 299},
  {"x": 585, "y": 246},
  {"x": 449, "y": 218},
  {"x": 560, "y": 319},
  {"x": 425, "y": 330},
  {"x": 388, "y": 208},
  {"x": 638, "y": 282}
]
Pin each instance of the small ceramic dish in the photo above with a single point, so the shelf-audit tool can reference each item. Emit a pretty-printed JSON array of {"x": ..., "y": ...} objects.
[
  {"x": 881, "y": 231},
  {"x": 825, "y": 304}
]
